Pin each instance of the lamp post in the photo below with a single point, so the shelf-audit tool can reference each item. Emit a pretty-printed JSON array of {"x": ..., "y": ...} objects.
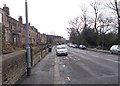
[{"x": 28, "y": 42}]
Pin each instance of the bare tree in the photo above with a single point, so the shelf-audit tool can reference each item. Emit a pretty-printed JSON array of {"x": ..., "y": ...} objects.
[
  {"x": 96, "y": 7},
  {"x": 75, "y": 23},
  {"x": 75, "y": 29},
  {"x": 113, "y": 5},
  {"x": 84, "y": 16}
]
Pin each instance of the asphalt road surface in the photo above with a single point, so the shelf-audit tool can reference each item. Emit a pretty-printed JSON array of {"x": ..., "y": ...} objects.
[{"x": 88, "y": 67}]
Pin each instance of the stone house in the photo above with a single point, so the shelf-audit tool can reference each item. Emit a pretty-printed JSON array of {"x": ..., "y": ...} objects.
[
  {"x": 43, "y": 38},
  {"x": 12, "y": 28},
  {"x": 38, "y": 38},
  {"x": 15, "y": 32},
  {"x": 33, "y": 35}
]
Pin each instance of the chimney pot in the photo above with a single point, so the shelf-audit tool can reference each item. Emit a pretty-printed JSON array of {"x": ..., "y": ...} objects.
[
  {"x": 6, "y": 9},
  {"x": 20, "y": 19}
]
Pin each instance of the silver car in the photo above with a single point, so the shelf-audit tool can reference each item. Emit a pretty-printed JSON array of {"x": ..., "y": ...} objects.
[
  {"x": 61, "y": 50},
  {"x": 115, "y": 49}
]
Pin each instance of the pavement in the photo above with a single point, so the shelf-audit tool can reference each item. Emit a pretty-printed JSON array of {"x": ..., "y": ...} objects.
[{"x": 41, "y": 73}]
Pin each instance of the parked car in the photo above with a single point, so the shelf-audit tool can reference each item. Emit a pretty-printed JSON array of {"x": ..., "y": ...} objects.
[
  {"x": 61, "y": 50},
  {"x": 71, "y": 45},
  {"x": 75, "y": 46},
  {"x": 50, "y": 49},
  {"x": 82, "y": 47},
  {"x": 115, "y": 49}
]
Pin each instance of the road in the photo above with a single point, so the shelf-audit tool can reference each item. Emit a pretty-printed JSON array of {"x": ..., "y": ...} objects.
[
  {"x": 79, "y": 67},
  {"x": 88, "y": 67}
]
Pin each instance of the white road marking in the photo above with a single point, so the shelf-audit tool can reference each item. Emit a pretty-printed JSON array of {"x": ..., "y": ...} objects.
[
  {"x": 68, "y": 78},
  {"x": 66, "y": 58},
  {"x": 113, "y": 60},
  {"x": 95, "y": 56},
  {"x": 78, "y": 59},
  {"x": 63, "y": 65},
  {"x": 60, "y": 63}
]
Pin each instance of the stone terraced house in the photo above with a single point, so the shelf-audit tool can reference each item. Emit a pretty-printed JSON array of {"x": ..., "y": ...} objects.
[{"x": 14, "y": 31}]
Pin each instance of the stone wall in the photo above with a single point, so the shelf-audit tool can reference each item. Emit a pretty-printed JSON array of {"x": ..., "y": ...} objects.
[
  {"x": 38, "y": 54},
  {"x": 44, "y": 52},
  {"x": 35, "y": 55},
  {"x": 0, "y": 52},
  {"x": 14, "y": 64}
]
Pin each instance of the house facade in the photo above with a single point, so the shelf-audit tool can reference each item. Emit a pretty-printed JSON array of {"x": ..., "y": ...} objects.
[{"x": 14, "y": 31}]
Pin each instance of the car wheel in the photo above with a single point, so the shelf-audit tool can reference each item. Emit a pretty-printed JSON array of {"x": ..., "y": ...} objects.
[
  {"x": 66, "y": 54},
  {"x": 111, "y": 52}
]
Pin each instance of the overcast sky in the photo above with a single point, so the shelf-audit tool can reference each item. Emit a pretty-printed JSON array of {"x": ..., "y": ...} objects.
[{"x": 48, "y": 16}]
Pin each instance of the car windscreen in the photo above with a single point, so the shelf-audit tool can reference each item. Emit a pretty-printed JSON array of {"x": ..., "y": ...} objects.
[{"x": 61, "y": 47}]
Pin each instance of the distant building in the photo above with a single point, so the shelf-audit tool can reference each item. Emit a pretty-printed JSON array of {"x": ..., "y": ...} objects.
[{"x": 52, "y": 39}]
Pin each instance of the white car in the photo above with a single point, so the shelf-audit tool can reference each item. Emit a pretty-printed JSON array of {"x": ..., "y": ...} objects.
[
  {"x": 61, "y": 50},
  {"x": 115, "y": 49},
  {"x": 82, "y": 47}
]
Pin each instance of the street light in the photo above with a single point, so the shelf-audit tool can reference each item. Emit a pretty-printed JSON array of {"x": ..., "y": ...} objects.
[{"x": 28, "y": 42}]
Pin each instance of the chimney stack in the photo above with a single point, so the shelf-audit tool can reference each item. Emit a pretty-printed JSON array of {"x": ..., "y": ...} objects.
[
  {"x": 6, "y": 9},
  {"x": 20, "y": 19}
]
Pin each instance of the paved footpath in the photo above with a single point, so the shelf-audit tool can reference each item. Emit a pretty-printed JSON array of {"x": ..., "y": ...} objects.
[{"x": 42, "y": 73}]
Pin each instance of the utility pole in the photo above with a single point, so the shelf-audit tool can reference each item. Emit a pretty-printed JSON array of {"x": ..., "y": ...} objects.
[{"x": 28, "y": 42}]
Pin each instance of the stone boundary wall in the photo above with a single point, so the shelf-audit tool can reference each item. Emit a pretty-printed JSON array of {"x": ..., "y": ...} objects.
[
  {"x": 38, "y": 54},
  {"x": 0, "y": 51},
  {"x": 44, "y": 52},
  {"x": 14, "y": 65}
]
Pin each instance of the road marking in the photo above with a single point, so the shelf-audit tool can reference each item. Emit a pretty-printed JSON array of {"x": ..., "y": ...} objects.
[
  {"x": 68, "y": 78},
  {"x": 78, "y": 59},
  {"x": 66, "y": 58},
  {"x": 95, "y": 56},
  {"x": 113, "y": 61},
  {"x": 63, "y": 65}
]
